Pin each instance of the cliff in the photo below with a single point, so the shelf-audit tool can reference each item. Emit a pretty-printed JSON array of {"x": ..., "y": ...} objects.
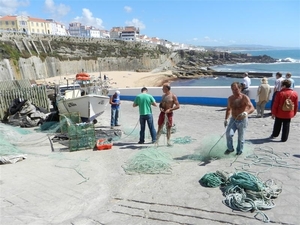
[{"x": 43, "y": 56}]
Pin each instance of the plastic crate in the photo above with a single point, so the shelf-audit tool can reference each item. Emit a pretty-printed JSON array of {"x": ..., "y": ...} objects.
[{"x": 103, "y": 144}]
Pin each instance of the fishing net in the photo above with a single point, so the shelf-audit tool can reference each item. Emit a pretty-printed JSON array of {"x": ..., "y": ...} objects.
[
  {"x": 213, "y": 147},
  {"x": 213, "y": 179},
  {"x": 183, "y": 140},
  {"x": 50, "y": 127},
  {"x": 149, "y": 161},
  {"x": 8, "y": 136}
]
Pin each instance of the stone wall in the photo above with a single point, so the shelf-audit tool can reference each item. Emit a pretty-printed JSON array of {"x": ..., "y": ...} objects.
[{"x": 34, "y": 68}]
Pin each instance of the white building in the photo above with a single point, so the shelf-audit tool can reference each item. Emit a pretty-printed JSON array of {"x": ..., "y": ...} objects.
[
  {"x": 92, "y": 32},
  {"x": 130, "y": 33},
  {"x": 57, "y": 28}
]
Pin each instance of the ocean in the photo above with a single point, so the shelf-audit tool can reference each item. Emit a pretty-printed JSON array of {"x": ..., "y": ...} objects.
[{"x": 293, "y": 55}]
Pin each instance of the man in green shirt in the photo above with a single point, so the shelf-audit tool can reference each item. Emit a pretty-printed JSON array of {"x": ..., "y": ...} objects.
[{"x": 144, "y": 102}]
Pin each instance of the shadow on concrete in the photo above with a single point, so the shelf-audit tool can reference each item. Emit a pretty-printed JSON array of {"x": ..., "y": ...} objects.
[
  {"x": 194, "y": 157},
  {"x": 262, "y": 140},
  {"x": 220, "y": 110},
  {"x": 133, "y": 146}
]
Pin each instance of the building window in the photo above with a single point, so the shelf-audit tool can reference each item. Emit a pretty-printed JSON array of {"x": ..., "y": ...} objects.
[
  {"x": 32, "y": 30},
  {"x": 37, "y": 24},
  {"x": 38, "y": 30},
  {"x": 6, "y": 22},
  {"x": 13, "y": 22}
]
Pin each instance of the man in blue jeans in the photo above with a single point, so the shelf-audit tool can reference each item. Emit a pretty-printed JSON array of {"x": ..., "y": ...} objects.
[
  {"x": 115, "y": 108},
  {"x": 144, "y": 102},
  {"x": 238, "y": 106}
]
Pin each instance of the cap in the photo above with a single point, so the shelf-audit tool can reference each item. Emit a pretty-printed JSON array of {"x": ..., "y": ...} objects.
[
  {"x": 246, "y": 74},
  {"x": 117, "y": 92}
]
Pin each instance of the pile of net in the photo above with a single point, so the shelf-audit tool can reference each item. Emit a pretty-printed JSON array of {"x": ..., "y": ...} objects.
[
  {"x": 244, "y": 191},
  {"x": 183, "y": 140},
  {"x": 149, "y": 161}
]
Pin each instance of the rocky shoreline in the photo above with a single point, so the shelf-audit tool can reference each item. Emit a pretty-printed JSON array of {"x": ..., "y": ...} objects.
[{"x": 194, "y": 64}]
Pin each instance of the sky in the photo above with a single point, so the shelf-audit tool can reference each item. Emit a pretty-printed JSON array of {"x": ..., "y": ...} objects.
[{"x": 194, "y": 22}]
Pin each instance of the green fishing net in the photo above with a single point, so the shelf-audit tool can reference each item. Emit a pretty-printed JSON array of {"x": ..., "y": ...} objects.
[
  {"x": 213, "y": 147},
  {"x": 8, "y": 136},
  {"x": 149, "y": 161}
]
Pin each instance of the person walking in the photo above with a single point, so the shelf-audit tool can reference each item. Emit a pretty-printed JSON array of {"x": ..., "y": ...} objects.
[
  {"x": 289, "y": 77},
  {"x": 239, "y": 107},
  {"x": 263, "y": 96},
  {"x": 277, "y": 86},
  {"x": 144, "y": 101},
  {"x": 279, "y": 113},
  {"x": 246, "y": 84},
  {"x": 115, "y": 109},
  {"x": 168, "y": 104}
]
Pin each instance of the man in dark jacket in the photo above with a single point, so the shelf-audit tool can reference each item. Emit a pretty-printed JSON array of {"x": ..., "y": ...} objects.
[{"x": 283, "y": 118}]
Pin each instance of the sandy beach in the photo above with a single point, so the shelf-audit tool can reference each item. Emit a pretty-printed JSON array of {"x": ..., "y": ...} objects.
[
  {"x": 92, "y": 187},
  {"x": 119, "y": 79}
]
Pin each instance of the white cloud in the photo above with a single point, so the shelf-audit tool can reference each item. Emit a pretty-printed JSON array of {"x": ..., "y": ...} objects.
[
  {"x": 10, "y": 7},
  {"x": 128, "y": 9},
  {"x": 56, "y": 10},
  {"x": 88, "y": 19},
  {"x": 136, "y": 23}
]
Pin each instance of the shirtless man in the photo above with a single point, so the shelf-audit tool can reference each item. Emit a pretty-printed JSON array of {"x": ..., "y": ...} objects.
[
  {"x": 239, "y": 106},
  {"x": 168, "y": 104}
]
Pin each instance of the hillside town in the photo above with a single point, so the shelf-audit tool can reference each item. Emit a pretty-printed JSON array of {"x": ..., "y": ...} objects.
[{"x": 31, "y": 25}]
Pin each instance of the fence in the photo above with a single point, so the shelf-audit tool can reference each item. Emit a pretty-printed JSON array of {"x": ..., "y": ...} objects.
[{"x": 10, "y": 90}]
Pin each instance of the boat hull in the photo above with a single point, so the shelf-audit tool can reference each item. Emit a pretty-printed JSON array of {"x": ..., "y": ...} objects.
[{"x": 88, "y": 106}]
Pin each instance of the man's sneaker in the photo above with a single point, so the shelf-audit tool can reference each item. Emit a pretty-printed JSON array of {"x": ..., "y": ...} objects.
[
  {"x": 169, "y": 144},
  {"x": 239, "y": 153},
  {"x": 118, "y": 125},
  {"x": 227, "y": 152},
  {"x": 271, "y": 137},
  {"x": 140, "y": 142}
]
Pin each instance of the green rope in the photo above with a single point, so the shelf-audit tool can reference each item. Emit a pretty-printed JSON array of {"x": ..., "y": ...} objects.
[{"x": 244, "y": 191}]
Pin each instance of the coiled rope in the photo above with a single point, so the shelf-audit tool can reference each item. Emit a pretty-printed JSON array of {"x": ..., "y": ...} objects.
[{"x": 244, "y": 191}]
